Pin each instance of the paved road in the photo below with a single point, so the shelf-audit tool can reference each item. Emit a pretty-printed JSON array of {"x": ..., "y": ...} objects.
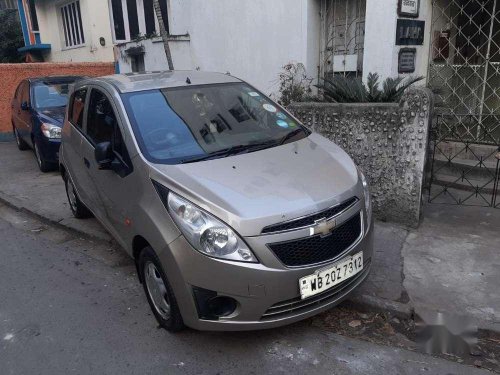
[{"x": 69, "y": 305}]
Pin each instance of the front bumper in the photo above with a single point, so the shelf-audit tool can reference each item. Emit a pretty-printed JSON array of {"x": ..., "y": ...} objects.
[
  {"x": 49, "y": 148},
  {"x": 267, "y": 293}
]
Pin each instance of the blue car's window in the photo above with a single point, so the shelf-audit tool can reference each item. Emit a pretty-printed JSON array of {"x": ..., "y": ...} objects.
[
  {"x": 175, "y": 125},
  {"x": 50, "y": 95}
]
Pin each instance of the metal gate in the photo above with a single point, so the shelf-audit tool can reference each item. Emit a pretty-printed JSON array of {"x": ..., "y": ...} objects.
[{"x": 464, "y": 73}]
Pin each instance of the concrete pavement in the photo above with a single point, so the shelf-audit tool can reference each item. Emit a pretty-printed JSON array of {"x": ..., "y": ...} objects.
[
  {"x": 450, "y": 264},
  {"x": 72, "y": 305}
]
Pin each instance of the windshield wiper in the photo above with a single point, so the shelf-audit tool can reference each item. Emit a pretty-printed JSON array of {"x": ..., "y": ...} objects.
[
  {"x": 232, "y": 151},
  {"x": 292, "y": 134}
]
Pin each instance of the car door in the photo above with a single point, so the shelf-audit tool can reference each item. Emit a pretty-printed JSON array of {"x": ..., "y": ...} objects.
[
  {"x": 114, "y": 188},
  {"x": 73, "y": 137},
  {"x": 16, "y": 104},
  {"x": 23, "y": 122}
]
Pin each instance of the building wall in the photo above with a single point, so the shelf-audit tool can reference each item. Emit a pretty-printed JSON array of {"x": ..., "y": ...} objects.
[
  {"x": 96, "y": 24},
  {"x": 252, "y": 40},
  {"x": 381, "y": 53},
  {"x": 12, "y": 74}
]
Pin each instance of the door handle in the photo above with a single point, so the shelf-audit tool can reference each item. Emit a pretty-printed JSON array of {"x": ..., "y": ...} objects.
[{"x": 86, "y": 162}]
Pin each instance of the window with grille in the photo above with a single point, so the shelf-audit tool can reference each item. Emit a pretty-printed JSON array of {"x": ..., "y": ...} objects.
[
  {"x": 71, "y": 19},
  {"x": 134, "y": 18}
]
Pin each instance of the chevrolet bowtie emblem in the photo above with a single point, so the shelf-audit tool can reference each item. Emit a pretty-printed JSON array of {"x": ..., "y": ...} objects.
[{"x": 323, "y": 227}]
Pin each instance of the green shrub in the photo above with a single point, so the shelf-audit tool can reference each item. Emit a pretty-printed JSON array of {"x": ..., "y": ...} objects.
[{"x": 340, "y": 89}]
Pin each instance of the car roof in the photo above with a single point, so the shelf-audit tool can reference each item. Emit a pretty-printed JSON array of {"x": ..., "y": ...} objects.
[
  {"x": 54, "y": 79},
  {"x": 131, "y": 82}
]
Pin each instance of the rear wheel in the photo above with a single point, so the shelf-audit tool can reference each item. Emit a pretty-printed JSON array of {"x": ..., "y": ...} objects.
[
  {"x": 158, "y": 291},
  {"x": 42, "y": 164},
  {"x": 21, "y": 145},
  {"x": 79, "y": 210}
]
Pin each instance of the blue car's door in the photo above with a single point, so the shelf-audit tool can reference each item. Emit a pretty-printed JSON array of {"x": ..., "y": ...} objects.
[{"x": 23, "y": 113}]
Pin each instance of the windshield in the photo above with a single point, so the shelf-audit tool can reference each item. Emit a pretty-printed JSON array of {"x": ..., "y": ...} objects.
[
  {"x": 49, "y": 95},
  {"x": 188, "y": 124}
]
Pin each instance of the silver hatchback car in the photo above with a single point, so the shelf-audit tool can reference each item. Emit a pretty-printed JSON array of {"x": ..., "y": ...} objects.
[{"x": 237, "y": 216}]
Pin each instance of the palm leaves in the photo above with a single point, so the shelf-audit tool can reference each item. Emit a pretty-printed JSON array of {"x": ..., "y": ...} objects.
[{"x": 341, "y": 89}]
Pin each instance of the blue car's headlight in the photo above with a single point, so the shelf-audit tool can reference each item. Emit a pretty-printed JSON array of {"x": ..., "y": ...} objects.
[{"x": 51, "y": 131}]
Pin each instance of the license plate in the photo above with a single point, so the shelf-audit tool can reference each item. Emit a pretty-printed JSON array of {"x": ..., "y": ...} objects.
[{"x": 327, "y": 278}]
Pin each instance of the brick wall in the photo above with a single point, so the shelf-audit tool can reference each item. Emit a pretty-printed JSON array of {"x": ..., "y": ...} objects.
[{"x": 12, "y": 74}]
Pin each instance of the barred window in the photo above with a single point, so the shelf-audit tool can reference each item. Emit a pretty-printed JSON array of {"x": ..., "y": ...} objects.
[
  {"x": 134, "y": 18},
  {"x": 71, "y": 19}
]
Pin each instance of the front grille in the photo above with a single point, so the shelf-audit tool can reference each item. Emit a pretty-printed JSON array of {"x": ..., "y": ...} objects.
[
  {"x": 310, "y": 220},
  {"x": 317, "y": 249},
  {"x": 298, "y": 305}
]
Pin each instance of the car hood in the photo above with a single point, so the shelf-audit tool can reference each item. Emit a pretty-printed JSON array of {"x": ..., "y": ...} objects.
[
  {"x": 53, "y": 115},
  {"x": 254, "y": 190}
]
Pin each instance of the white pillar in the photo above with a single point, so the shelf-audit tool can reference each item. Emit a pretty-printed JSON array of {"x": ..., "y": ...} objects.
[{"x": 380, "y": 52}]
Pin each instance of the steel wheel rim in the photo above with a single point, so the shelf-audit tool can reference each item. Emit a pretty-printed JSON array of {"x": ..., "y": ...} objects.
[
  {"x": 157, "y": 290},
  {"x": 71, "y": 195},
  {"x": 37, "y": 154}
]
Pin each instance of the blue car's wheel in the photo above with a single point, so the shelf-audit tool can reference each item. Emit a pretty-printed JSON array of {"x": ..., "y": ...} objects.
[
  {"x": 21, "y": 145},
  {"x": 42, "y": 164}
]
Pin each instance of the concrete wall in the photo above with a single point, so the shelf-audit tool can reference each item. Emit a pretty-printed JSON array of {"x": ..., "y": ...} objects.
[
  {"x": 96, "y": 24},
  {"x": 252, "y": 40},
  {"x": 381, "y": 52},
  {"x": 387, "y": 141},
  {"x": 12, "y": 74}
]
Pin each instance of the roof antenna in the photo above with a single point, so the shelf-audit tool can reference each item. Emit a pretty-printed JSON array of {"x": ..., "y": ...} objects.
[{"x": 188, "y": 81}]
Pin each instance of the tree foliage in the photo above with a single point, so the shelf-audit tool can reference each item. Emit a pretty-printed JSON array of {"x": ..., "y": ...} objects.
[
  {"x": 341, "y": 89},
  {"x": 11, "y": 37}
]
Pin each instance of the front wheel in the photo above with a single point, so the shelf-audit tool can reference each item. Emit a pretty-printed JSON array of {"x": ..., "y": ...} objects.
[
  {"x": 79, "y": 210},
  {"x": 42, "y": 164},
  {"x": 158, "y": 291}
]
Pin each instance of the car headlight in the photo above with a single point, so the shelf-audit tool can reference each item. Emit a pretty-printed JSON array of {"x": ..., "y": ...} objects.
[
  {"x": 368, "y": 199},
  {"x": 51, "y": 131},
  {"x": 204, "y": 232}
]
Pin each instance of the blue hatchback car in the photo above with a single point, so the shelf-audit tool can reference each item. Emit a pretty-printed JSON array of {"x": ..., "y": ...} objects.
[{"x": 38, "y": 110}]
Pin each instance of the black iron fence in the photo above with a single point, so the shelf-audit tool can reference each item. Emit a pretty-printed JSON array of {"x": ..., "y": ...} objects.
[{"x": 465, "y": 161}]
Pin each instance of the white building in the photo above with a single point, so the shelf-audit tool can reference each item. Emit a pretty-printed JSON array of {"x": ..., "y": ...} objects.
[{"x": 453, "y": 43}]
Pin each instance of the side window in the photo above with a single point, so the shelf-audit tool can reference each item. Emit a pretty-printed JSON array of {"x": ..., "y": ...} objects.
[
  {"x": 101, "y": 120},
  {"x": 76, "y": 109},
  {"x": 17, "y": 95},
  {"x": 25, "y": 93},
  {"x": 119, "y": 145},
  {"x": 102, "y": 124}
]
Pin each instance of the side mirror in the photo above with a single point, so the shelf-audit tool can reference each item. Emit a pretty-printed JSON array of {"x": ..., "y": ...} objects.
[
  {"x": 103, "y": 155},
  {"x": 25, "y": 106}
]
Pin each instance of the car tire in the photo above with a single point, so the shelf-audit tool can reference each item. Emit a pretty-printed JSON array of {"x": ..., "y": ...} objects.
[
  {"x": 21, "y": 144},
  {"x": 79, "y": 210},
  {"x": 159, "y": 292},
  {"x": 42, "y": 164}
]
